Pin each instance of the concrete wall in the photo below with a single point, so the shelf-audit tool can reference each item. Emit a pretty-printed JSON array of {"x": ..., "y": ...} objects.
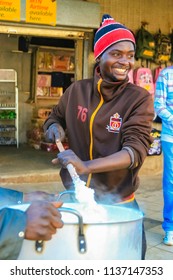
[
  {"x": 10, "y": 58},
  {"x": 158, "y": 13}
]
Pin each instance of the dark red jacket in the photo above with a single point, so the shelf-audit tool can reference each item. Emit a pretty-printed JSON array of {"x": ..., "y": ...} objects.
[{"x": 123, "y": 119}]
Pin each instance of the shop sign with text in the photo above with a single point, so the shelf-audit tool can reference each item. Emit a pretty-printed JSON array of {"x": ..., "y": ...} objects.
[
  {"x": 10, "y": 10},
  {"x": 41, "y": 11},
  {"x": 34, "y": 11}
]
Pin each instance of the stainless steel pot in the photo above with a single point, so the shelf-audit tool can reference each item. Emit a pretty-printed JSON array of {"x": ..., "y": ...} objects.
[{"x": 116, "y": 237}]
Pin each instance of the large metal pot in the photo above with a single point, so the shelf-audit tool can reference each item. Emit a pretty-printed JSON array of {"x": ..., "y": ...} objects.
[{"x": 118, "y": 237}]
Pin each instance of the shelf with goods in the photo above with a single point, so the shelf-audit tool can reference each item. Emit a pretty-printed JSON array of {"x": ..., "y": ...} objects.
[
  {"x": 55, "y": 71},
  {"x": 9, "y": 113}
]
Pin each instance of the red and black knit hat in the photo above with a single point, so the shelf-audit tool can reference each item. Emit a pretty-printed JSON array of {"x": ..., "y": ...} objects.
[{"x": 109, "y": 33}]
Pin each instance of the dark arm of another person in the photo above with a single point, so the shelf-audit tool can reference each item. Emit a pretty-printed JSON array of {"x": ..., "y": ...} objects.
[{"x": 39, "y": 222}]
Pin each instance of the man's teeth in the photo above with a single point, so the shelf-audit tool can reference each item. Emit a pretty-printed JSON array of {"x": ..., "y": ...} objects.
[{"x": 121, "y": 70}]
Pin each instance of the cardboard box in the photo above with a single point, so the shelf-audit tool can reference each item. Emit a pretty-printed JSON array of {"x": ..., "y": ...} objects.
[
  {"x": 43, "y": 91},
  {"x": 41, "y": 60},
  {"x": 48, "y": 61},
  {"x": 61, "y": 63},
  {"x": 44, "y": 80},
  {"x": 56, "y": 91}
]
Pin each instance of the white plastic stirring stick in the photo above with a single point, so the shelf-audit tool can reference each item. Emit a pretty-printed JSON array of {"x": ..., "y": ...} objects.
[{"x": 70, "y": 167}]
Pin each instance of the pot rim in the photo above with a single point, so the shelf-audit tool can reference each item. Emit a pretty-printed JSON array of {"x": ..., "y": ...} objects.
[{"x": 132, "y": 215}]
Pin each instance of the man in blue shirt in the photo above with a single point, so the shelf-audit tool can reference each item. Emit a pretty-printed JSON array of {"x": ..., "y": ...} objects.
[{"x": 163, "y": 105}]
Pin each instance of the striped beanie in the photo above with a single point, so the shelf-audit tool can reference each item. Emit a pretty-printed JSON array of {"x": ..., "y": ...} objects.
[{"x": 109, "y": 33}]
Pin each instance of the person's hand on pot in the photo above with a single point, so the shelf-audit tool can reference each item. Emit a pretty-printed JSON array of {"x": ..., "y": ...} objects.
[
  {"x": 54, "y": 132},
  {"x": 43, "y": 219},
  {"x": 68, "y": 156}
]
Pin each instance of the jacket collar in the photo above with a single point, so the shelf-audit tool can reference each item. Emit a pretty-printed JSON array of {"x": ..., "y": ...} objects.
[{"x": 110, "y": 89}]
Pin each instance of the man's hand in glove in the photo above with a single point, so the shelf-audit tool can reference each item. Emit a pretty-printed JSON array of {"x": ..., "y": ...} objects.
[{"x": 54, "y": 132}]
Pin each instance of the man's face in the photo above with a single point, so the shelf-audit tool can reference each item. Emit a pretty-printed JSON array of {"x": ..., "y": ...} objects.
[{"x": 117, "y": 61}]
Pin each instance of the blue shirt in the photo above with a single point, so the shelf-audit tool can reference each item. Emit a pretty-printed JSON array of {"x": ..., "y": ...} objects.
[
  {"x": 163, "y": 102},
  {"x": 12, "y": 224}
]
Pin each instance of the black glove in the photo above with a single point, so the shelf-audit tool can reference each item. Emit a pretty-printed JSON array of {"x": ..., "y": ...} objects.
[{"x": 54, "y": 132}]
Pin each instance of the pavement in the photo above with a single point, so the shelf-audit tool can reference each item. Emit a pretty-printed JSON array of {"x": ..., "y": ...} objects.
[{"x": 27, "y": 169}]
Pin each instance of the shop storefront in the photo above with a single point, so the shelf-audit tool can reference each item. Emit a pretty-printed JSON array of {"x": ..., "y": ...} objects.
[{"x": 48, "y": 45}]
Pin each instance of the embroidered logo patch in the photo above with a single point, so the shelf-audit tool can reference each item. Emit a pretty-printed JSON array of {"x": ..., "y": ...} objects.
[{"x": 115, "y": 123}]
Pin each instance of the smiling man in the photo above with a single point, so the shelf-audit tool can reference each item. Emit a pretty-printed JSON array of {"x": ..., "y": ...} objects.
[{"x": 108, "y": 121}]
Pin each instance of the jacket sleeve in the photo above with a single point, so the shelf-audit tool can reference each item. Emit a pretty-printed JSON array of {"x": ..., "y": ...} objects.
[
  {"x": 9, "y": 197},
  {"x": 12, "y": 228},
  {"x": 137, "y": 129}
]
